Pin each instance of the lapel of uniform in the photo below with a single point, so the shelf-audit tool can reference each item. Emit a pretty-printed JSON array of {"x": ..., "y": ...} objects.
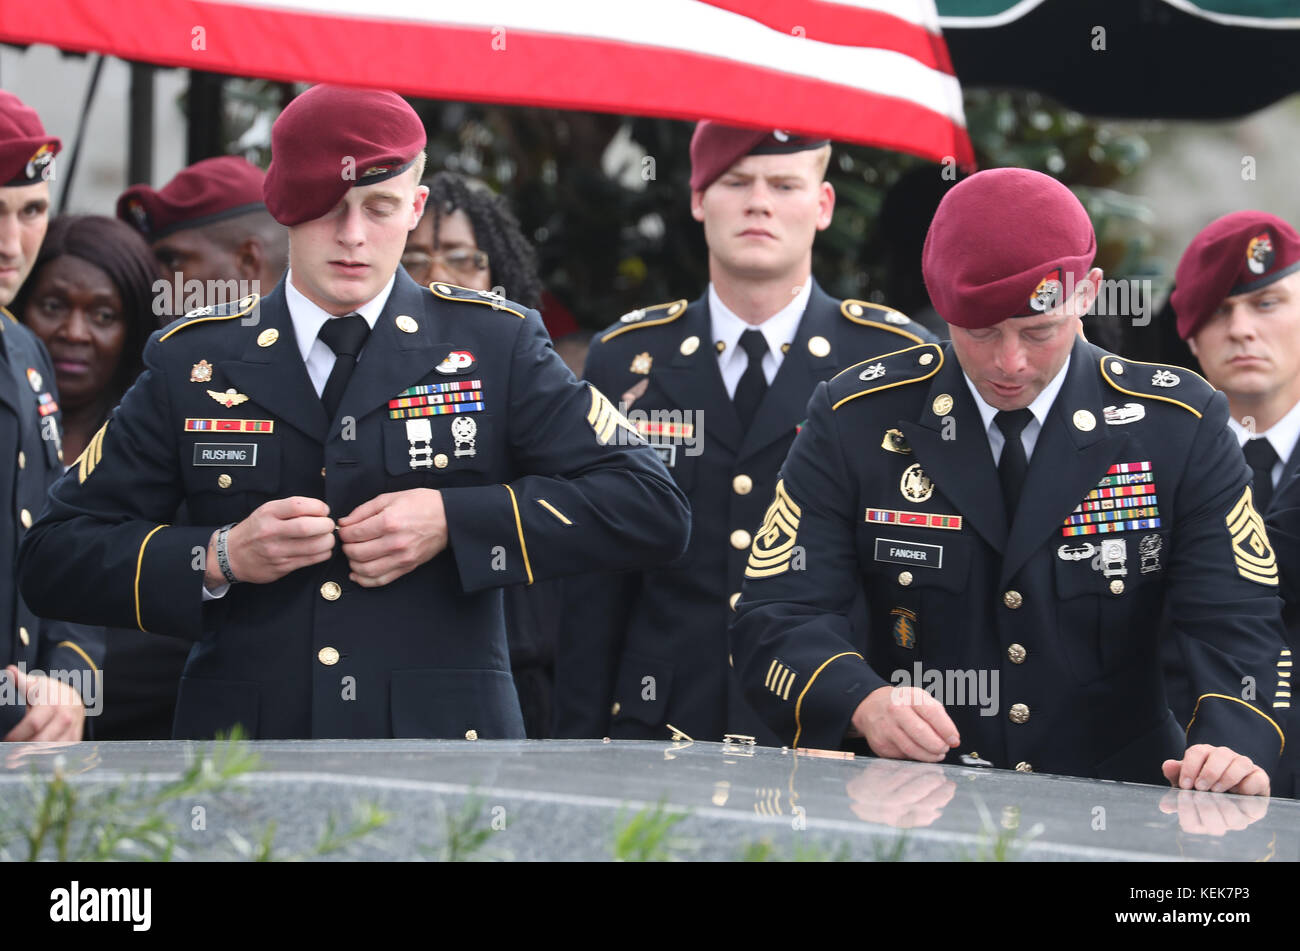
[
  {"x": 785, "y": 404},
  {"x": 961, "y": 465},
  {"x": 1288, "y": 471},
  {"x": 1068, "y": 461},
  {"x": 394, "y": 359},
  {"x": 10, "y": 395},
  {"x": 275, "y": 376},
  {"x": 694, "y": 382}
]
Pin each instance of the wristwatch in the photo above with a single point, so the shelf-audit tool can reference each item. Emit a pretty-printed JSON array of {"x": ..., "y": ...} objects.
[{"x": 223, "y": 555}]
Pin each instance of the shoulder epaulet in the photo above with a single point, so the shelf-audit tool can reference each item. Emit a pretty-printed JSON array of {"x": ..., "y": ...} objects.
[
  {"x": 879, "y": 316},
  {"x": 470, "y": 296},
  {"x": 654, "y": 316},
  {"x": 228, "y": 311},
  {"x": 885, "y": 372},
  {"x": 1158, "y": 381}
]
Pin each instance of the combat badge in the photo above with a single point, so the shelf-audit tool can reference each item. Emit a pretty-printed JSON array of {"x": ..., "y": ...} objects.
[
  {"x": 895, "y": 441},
  {"x": 228, "y": 399},
  {"x": 1114, "y": 557},
  {"x": 1080, "y": 553},
  {"x": 904, "y": 627},
  {"x": 1250, "y": 548},
  {"x": 463, "y": 431},
  {"x": 774, "y": 543},
  {"x": 641, "y": 363},
  {"x": 419, "y": 433},
  {"x": 201, "y": 372},
  {"x": 1149, "y": 550},
  {"x": 1165, "y": 378},
  {"x": 1121, "y": 415},
  {"x": 915, "y": 484}
]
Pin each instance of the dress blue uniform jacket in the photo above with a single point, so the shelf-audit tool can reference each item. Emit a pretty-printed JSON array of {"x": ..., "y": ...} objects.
[
  {"x": 1283, "y": 520},
  {"x": 31, "y": 434},
  {"x": 548, "y": 480},
  {"x": 1043, "y": 635},
  {"x": 644, "y": 651}
]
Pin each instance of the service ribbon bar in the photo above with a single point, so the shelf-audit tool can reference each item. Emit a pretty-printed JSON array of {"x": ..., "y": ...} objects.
[
  {"x": 433, "y": 399},
  {"x": 1121, "y": 491},
  {"x": 455, "y": 387},
  {"x": 1071, "y": 530},
  {"x": 418, "y": 411},
  {"x": 671, "y": 430},
  {"x": 1121, "y": 467},
  {"x": 230, "y": 425},
  {"x": 919, "y": 519},
  {"x": 1137, "y": 501},
  {"x": 1128, "y": 478},
  {"x": 1088, "y": 518}
]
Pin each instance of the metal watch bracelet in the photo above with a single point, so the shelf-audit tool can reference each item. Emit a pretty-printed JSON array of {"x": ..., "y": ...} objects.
[{"x": 223, "y": 556}]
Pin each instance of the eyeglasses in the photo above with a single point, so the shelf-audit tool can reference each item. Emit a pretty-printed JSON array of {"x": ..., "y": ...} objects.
[{"x": 463, "y": 261}]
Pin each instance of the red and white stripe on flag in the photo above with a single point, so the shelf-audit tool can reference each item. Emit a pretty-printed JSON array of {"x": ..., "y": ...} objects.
[{"x": 874, "y": 72}]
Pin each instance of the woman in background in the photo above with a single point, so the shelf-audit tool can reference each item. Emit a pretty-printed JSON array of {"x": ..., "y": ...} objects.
[{"x": 90, "y": 300}]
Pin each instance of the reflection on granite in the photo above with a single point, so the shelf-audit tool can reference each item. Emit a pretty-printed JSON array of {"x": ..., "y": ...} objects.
[{"x": 586, "y": 800}]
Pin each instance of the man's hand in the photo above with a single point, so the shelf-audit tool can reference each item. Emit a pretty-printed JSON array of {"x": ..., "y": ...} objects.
[
  {"x": 393, "y": 534},
  {"x": 280, "y": 536},
  {"x": 55, "y": 711},
  {"x": 905, "y": 723},
  {"x": 1204, "y": 813},
  {"x": 1216, "y": 769}
]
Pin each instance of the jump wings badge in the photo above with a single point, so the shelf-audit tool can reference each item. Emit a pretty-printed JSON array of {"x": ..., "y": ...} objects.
[{"x": 228, "y": 399}]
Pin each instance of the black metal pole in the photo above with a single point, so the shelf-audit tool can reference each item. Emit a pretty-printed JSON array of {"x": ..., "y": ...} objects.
[
  {"x": 139, "y": 155},
  {"x": 75, "y": 151}
]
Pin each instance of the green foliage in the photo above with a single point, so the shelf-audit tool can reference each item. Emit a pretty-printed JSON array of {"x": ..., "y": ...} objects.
[
  {"x": 997, "y": 842},
  {"x": 646, "y": 835},
  {"x": 68, "y": 821}
]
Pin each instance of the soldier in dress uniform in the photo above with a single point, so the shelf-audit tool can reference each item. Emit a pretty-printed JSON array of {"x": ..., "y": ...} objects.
[
  {"x": 1017, "y": 507},
  {"x": 210, "y": 225},
  {"x": 718, "y": 387},
  {"x": 365, "y": 462},
  {"x": 1237, "y": 300},
  {"x": 32, "y": 707}
]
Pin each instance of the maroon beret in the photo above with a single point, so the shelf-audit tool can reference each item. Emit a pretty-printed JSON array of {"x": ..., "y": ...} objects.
[
  {"x": 715, "y": 148},
  {"x": 26, "y": 152},
  {"x": 207, "y": 191},
  {"x": 1235, "y": 254},
  {"x": 332, "y": 138},
  {"x": 1006, "y": 242}
]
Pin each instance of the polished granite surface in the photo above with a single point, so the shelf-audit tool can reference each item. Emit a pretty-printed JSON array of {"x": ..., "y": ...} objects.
[{"x": 594, "y": 800}]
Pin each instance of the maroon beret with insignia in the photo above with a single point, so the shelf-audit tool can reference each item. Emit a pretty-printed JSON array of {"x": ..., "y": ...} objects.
[
  {"x": 206, "y": 192},
  {"x": 1235, "y": 254},
  {"x": 1006, "y": 242},
  {"x": 26, "y": 151},
  {"x": 715, "y": 148},
  {"x": 332, "y": 138}
]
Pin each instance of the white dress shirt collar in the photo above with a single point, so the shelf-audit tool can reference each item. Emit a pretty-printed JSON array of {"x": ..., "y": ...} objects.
[
  {"x": 1040, "y": 407},
  {"x": 308, "y": 318}
]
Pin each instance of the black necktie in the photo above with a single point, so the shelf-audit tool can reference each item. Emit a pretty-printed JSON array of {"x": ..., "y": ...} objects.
[
  {"x": 1262, "y": 457},
  {"x": 345, "y": 336},
  {"x": 1013, "y": 464},
  {"x": 753, "y": 384}
]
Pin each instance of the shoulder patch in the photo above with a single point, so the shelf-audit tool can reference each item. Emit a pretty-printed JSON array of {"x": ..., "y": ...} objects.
[
  {"x": 654, "y": 316},
  {"x": 1157, "y": 381},
  {"x": 471, "y": 296},
  {"x": 879, "y": 316},
  {"x": 214, "y": 312},
  {"x": 885, "y": 372}
]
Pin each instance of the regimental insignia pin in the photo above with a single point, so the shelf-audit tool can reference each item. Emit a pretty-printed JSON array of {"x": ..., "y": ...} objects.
[
  {"x": 1076, "y": 553},
  {"x": 819, "y": 346},
  {"x": 689, "y": 345},
  {"x": 1149, "y": 551},
  {"x": 1084, "y": 421},
  {"x": 942, "y": 405},
  {"x": 895, "y": 441},
  {"x": 1165, "y": 378},
  {"x": 267, "y": 337},
  {"x": 35, "y": 379},
  {"x": 201, "y": 372},
  {"x": 458, "y": 361},
  {"x": 873, "y": 372},
  {"x": 904, "y": 627},
  {"x": 463, "y": 431},
  {"x": 407, "y": 324},
  {"x": 1122, "y": 415},
  {"x": 228, "y": 399},
  {"x": 915, "y": 485},
  {"x": 632, "y": 316},
  {"x": 419, "y": 433},
  {"x": 641, "y": 363}
]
